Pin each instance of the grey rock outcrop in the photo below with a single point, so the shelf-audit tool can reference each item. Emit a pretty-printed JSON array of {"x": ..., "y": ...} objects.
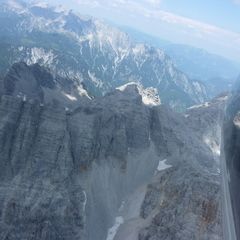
[
  {"x": 38, "y": 193},
  {"x": 206, "y": 121},
  {"x": 230, "y": 158},
  {"x": 36, "y": 82},
  {"x": 75, "y": 174}
]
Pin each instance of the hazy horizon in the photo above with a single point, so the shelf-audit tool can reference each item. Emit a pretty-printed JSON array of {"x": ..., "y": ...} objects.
[{"x": 212, "y": 26}]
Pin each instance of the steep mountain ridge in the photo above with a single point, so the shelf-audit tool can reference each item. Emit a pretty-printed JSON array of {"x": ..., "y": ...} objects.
[
  {"x": 98, "y": 55},
  {"x": 200, "y": 64},
  {"x": 37, "y": 83}
]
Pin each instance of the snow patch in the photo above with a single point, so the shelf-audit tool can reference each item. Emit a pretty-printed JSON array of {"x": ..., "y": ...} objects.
[
  {"x": 150, "y": 96},
  {"x": 198, "y": 87},
  {"x": 213, "y": 145},
  {"x": 236, "y": 120},
  {"x": 124, "y": 87},
  {"x": 139, "y": 49},
  {"x": 39, "y": 55},
  {"x": 206, "y": 104},
  {"x": 149, "y": 136},
  {"x": 82, "y": 92},
  {"x": 223, "y": 98},
  {"x": 85, "y": 201},
  {"x": 113, "y": 230},
  {"x": 122, "y": 206},
  {"x": 228, "y": 177},
  {"x": 162, "y": 165},
  {"x": 97, "y": 82},
  {"x": 70, "y": 97},
  {"x": 20, "y": 49}
]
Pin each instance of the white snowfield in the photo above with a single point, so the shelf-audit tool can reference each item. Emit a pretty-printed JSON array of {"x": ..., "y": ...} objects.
[
  {"x": 162, "y": 165},
  {"x": 113, "y": 230}
]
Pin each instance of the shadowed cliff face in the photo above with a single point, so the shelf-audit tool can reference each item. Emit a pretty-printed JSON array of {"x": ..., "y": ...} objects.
[
  {"x": 231, "y": 150},
  {"x": 35, "y": 82},
  {"x": 111, "y": 164}
]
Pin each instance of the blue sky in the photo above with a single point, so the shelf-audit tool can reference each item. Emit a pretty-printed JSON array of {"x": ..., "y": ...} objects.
[
  {"x": 222, "y": 13},
  {"x": 210, "y": 24}
]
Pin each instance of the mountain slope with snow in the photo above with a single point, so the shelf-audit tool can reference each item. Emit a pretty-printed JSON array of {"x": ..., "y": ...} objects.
[
  {"x": 217, "y": 72},
  {"x": 92, "y": 52}
]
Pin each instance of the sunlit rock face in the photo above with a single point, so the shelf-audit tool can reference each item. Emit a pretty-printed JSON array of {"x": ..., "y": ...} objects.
[
  {"x": 231, "y": 151},
  {"x": 110, "y": 168}
]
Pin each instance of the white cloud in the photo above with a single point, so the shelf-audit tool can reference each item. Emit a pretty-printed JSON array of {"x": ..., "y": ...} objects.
[
  {"x": 154, "y": 2},
  {"x": 143, "y": 7},
  {"x": 236, "y": 1},
  {"x": 145, "y": 3},
  {"x": 165, "y": 23}
]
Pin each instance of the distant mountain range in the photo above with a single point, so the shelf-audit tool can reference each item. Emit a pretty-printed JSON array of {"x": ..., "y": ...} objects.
[
  {"x": 90, "y": 53},
  {"x": 217, "y": 72}
]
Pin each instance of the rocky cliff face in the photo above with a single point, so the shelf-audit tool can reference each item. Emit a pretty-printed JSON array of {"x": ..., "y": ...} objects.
[
  {"x": 112, "y": 168},
  {"x": 90, "y": 51},
  {"x": 35, "y": 82},
  {"x": 230, "y": 152},
  {"x": 206, "y": 121}
]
